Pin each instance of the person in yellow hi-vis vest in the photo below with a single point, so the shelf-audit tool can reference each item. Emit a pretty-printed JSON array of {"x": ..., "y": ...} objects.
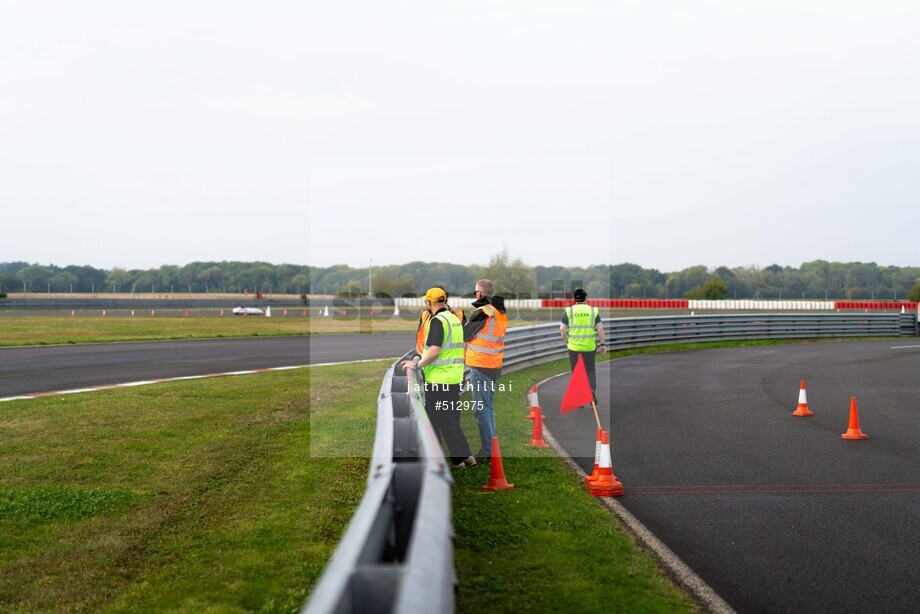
[
  {"x": 485, "y": 352},
  {"x": 441, "y": 363},
  {"x": 583, "y": 333}
]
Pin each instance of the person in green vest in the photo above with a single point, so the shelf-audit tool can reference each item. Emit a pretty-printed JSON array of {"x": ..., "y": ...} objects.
[
  {"x": 583, "y": 333},
  {"x": 441, "y": 363}
]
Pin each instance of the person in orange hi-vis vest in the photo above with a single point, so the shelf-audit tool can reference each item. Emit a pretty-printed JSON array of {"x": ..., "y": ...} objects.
[
  {"x": 423, "y": 318},
  {"x": 485, "y": 350}
]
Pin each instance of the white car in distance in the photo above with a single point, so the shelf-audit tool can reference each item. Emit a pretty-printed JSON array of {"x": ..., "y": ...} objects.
[{"x": 247, "y": 311}]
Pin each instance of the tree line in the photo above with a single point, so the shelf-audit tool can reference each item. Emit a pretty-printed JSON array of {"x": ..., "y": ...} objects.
[{"x": 818, "y": 279}]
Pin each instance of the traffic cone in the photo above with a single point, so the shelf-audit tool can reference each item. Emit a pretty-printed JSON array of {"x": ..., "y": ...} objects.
[
  {"x": 497, "y": 473},
  {"x": 802, "y": 409},
  {"x": 132, "y": 313},
  {"x": 268, "y": 312},
  {"x": 536, "y": 438},
  {"x": 853, "y": 430},
  {"x": 396, "y": 311},
  {"x": 72, "y": 313},
  {"x": 534, "y": 404},
  {"x": 284, "y": 314},
  {"x": 606, "y": 484},
  {"x": 326, "y": 312},
  {"x": 597, "y": 458},
  {"x": 186, "y": 313},
  {"x": 103, "y": 313},
  {"x": 221, "y": 313},
  {"x": 153, "y": 312}
]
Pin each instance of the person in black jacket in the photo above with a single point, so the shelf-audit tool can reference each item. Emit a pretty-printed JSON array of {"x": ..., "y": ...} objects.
[{"x": 484, "y": 335}]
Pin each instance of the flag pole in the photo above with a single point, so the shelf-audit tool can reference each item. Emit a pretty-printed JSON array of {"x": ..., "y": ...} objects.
[{"x": 594, "y": 405}]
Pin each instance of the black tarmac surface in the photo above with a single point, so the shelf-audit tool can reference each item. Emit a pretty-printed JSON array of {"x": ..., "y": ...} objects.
[
  {"x": 777, "y": 513},
  {"x": 33, "y": 370}
]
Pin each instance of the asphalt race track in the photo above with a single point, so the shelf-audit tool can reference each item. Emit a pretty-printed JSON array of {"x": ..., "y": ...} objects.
[
  {"x": 777, "y": 513},
  {"x": 33, "y": 370}
]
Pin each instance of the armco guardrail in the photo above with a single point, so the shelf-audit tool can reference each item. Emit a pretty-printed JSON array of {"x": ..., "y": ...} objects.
[{"x": 397, "y": 553}]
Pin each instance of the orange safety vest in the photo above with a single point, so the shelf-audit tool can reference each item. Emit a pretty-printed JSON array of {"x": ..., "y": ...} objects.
[
  {"x": 422, "y": 332},
  {"x": 487, "y": 349}
]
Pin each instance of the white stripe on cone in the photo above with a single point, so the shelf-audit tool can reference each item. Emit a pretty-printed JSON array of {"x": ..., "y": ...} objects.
[{"x": 605, "y": 460}]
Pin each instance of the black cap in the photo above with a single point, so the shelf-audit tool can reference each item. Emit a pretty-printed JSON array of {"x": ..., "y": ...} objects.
[{"x": 580, "y": 294}]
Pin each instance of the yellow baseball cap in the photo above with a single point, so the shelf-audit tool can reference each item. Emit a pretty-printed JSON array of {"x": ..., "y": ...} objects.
[{"x": 436, "y": 295}]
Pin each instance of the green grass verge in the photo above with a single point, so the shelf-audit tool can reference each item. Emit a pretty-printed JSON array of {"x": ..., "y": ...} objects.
[
  {"x": 547, "y": 545},
  {"x": 63, "y": 330},
  {"x": 189, "y": 496},
  {"x": 19, "y": 330}
]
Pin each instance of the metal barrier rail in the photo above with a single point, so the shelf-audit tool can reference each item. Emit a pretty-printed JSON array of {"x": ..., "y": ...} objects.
[{"x": 397, "y": 553}]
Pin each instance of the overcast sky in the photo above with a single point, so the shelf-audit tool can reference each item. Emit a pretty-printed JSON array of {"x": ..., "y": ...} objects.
[{"x": 667, "y": 134}]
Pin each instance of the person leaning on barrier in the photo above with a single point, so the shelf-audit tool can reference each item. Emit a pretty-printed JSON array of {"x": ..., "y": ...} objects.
[
  {"x": 581, "y": 329},
  {"x": 423, "y": 320},
  {"x": 441, "y": 363},
  {"x": 485, "y": 351}
]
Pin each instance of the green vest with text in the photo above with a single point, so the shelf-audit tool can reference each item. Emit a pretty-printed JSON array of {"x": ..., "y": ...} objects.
[
  {"x": 581, "y": 331},
  {"x": 448, "y": 366}
]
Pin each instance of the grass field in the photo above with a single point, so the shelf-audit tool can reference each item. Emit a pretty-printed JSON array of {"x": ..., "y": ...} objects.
[
  {"x": 58, "y": 330},
  {"x": 216, "y": 495},
  {"x": 193, "y": 496},
  {"x": 547, "y": 545},
  {"x": 18, "y": 330}
]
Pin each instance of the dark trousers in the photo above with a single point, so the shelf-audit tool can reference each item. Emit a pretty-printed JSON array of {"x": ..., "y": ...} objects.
[
  {"x": 588, "y": 358},
  {"x": 443, "y": 409}
]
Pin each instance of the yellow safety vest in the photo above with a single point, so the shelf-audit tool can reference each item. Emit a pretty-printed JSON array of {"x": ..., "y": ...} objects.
[
  {"x": 582, "y": 333},
  {"x": 422, "y": 333},
  {"x": 448, "y": 366}
]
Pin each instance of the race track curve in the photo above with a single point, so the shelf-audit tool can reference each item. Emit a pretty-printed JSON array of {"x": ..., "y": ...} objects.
[{"x": 777, "y": 513}]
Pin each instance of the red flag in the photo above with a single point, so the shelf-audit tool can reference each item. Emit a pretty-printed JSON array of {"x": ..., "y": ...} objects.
[{"x": 578, "y": 392}]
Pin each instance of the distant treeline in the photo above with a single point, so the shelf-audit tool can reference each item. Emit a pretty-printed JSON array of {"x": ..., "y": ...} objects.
[{"x": 818, "y": 279}]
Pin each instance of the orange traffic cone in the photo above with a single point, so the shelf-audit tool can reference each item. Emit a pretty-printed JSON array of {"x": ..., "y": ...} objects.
[
  {"x": 284, "y": 315},
  {"x": 71, "y": 313},
  {"x": 606, "y": 484},
  {"x": 536, "y": 439},
  {"x": 853, "y": 430},
  {"x": 186, "y": 313},
  {"x": 221, "y": 313},
  {"x": 534, "y": 404},
  {"x": 597, "y": 458},
  {"x": 497, "y": 474},
  {"x": 153, "y": 312},
  {"x": 802, "y": 409},
  {"x": 103, "y": 313}
]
